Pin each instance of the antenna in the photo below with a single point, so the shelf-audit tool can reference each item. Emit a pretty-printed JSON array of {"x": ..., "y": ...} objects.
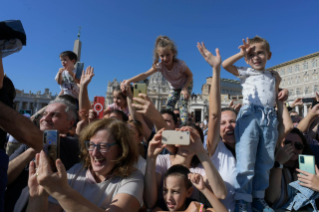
[{"x": 79, "y": 34}]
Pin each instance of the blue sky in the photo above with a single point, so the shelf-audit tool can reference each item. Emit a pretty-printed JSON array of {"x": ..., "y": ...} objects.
[{"x": 118, "y": 36}]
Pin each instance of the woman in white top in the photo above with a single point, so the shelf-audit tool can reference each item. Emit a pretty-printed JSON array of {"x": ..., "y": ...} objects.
[{"x": 105, "y": 180}]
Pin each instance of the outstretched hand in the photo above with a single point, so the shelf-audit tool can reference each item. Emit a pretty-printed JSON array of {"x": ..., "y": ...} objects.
[
  {"x": 87, "y": 76},
  {"x": 155, "y": 147},
  {"x": 297, "y": 102},
  {"x": 214, "y": 61},
  {"x": 245, "y": 48},
  {"x": 197, "y": 180},
  {"x": 35, "y": 189}
]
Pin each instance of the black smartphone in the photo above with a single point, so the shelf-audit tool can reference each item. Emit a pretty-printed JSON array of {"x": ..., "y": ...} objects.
[
  {"x": 314, "y": 103},
  {"x": 307, "y": 100},
  {"x": 79, "y": 68},
  {"x": 51, "y": 146}
]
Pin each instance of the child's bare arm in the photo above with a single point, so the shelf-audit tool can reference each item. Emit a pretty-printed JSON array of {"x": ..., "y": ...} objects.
[
  {"x": 1, "y": 71},
  {"x": 59, "y": 80},
  {"x": 198, "y": 182},
  {"x": 189, "y": 76},
  {"x": 141, "y": 76},
  {"x": 228, "y": 64}
]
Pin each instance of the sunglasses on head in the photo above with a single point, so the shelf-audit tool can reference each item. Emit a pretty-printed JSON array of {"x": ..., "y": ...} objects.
[{"x": 298, "y": 146}]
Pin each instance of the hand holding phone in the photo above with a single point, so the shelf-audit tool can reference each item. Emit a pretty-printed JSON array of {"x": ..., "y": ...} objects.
[
  {"x": 51, "y": 146},
  {"x": 139, "y": 88}
]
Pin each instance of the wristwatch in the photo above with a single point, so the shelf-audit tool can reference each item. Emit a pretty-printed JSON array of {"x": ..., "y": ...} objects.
[{"x": 278, "y": 165}]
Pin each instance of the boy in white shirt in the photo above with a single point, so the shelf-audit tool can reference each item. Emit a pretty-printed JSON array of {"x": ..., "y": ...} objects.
[
  {"x": 66, "y": 75},
  {"x": 256, "y": 131}
]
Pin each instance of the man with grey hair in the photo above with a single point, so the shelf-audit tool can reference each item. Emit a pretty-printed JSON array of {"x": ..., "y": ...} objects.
[{"x": 59, "y": 115}]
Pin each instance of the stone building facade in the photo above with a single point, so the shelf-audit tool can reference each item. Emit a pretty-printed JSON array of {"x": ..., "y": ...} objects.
[
  {"x": 31, "y": 101},
  {"x": 300, "y": 77}
]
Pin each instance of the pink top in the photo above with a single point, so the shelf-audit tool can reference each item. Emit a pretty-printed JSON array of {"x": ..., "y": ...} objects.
[
  {"x": 115, "y": 107},
  {"x": 176, "y": 77}
]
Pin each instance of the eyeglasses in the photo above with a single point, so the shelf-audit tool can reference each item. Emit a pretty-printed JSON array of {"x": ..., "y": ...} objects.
[
  {"x": 102, "y": 147},
  {"x": 298, "y": 145}
]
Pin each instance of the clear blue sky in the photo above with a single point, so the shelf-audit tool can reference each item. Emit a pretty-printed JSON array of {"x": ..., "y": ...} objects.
[{"x": 118, "y": 36}]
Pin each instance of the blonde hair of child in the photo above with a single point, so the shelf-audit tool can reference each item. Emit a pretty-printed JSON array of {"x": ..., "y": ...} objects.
[
  {"x": 258, "y": 39},
  {"x": 164, "y": 42}
]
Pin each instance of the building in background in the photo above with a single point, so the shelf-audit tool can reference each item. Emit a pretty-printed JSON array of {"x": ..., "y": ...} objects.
[
  {"x": 300, "y": 77},
  {"x": 32, "y": 102}
]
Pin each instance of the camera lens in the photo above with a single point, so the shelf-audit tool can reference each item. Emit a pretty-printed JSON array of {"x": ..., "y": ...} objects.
[
  {"x": 135, "y": 86},
  {"x": 302, "y": 160}
]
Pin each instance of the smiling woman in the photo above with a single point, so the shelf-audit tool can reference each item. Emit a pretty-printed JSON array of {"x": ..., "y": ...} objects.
[{"x": 106, "y": 179}]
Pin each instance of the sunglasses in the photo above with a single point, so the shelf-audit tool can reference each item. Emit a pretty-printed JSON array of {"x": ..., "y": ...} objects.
[{"x": 298, "y": 146}]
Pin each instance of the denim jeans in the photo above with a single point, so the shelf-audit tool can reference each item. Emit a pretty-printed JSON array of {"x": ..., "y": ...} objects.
[
  {"x": 302, "y": 196},
  {"x": 256, "y": 136}
]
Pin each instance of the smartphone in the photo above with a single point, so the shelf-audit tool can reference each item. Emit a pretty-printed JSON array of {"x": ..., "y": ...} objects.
[
  {"x": 307, "y": 163},
  {"x": 314, "y": 103},
  {"x": 98, "y": 106},
  {"x": 51, "y": 146},
  {"x": 79, "y": 69},
  {"x": 139, "y": 88},
  {"x": 173, "y": 137},
  {"x": 308, "y": 100}
]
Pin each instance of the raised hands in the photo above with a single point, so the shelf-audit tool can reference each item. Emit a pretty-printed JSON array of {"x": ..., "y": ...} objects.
[
  {"x": 155, "y": 146},
  {"x": 87, "y": 76},
  {"x": 309, "y": 180},
  {"x": 144, "y": 105},
  {"x": 234, "y": 106},
  {"x": 297, "y": 102},
  {"x": 35, "y": 189},
  {"x": 245, "y": 48},
  {"x": 284, "y": 153},
  {"x": 214, "y": 61},
  {"x": 197, "y": 181}
]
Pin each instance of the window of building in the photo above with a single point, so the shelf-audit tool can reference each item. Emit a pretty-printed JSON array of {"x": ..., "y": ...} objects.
[
  {"x": 298, "y": 91},
  {"x": 283, "y": 82},
  {"x": 24, "y": 105},
  {"x": 296, "y": 68},
  {"x": 306, "y": 78},
  {"x": 282, "y": 71},
  {"x": 297, "y": 79},
  {"x": 291, "y": 91},
  {"x": 307, "y": 90},
  {"x": 314, "y": 63},
  {"x": 315, "y": 88},
  {"x": 315, "y": 74},
  {"x": 305, "y": 65},
  {"x": 290, "y": 70}
]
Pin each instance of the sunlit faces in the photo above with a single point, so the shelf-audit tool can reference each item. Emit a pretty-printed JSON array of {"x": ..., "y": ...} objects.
[
  {"x": 67, "y": 63},
  {"x": 102, "y": 163},
  {"x": 166, "y": 56},
  {"x": 257, "y": 57},
  {"x": 294, "y": 138},
  {"x": 169, "y": 121},
  {"x": 55, "y": 117},
  {"x": 175, "y": 193},
  {"x": 119, "y": 99},
  {"x": 227, "y": 127}
]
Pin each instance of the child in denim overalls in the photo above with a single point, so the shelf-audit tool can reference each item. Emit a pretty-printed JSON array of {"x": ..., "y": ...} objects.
[{"x": 256, "y": 131}]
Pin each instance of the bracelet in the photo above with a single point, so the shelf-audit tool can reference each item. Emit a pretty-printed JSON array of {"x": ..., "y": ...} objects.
[{"x": 201, "y": 207}]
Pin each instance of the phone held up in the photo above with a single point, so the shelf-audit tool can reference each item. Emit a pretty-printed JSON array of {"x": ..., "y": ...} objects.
[
  {"x": 310, "y": 100},
  {"x": 79, "y": 67},
  {"x": 173, "y": 137},
  {"x": 139, "y": 88},
  {"x": 51, "y": 146},
  {"x": 307, "y": 163}
]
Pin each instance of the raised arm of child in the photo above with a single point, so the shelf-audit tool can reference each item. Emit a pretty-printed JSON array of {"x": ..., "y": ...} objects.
[
  {"x": 152, "y": 179},
  {"x": 1, "y": 71},
  {"x": 137, "y": 78},
  {"x": 58, "y": 78},
  {"x": 198, "y": 182},
  {"x": 189, "y": 76},
  {"x": 228, "y": 64}
]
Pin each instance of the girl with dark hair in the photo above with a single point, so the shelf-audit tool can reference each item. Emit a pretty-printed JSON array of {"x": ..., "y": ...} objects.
[{"x": 286, "y": 166}]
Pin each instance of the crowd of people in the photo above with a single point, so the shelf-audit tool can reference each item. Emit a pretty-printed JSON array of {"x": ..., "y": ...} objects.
[{"x": 240, "y": 158}]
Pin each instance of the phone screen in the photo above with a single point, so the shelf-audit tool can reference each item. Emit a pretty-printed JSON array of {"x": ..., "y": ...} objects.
[
  {"x": 79, "y": 69},
  {"x": 51, "y": 146}
]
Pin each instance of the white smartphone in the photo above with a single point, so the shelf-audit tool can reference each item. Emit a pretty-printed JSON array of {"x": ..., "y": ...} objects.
[{"x": 173, "y": 137}]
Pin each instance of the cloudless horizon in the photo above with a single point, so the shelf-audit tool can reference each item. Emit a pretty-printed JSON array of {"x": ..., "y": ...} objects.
[{"x": 118, "y": 37}]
